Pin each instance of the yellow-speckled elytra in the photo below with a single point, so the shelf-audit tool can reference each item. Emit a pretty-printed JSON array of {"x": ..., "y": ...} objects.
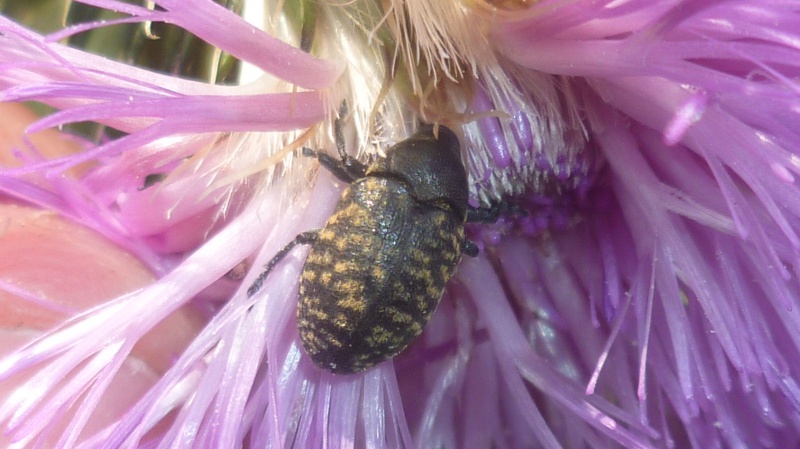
[{"x": 377, "y": 270}]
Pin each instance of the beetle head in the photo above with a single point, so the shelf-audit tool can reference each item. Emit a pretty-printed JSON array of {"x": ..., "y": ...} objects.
[{"x": 430, "y": 165}]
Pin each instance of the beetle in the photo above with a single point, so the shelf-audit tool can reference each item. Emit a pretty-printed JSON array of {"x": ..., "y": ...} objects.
[{"x": 377, "y": 270}]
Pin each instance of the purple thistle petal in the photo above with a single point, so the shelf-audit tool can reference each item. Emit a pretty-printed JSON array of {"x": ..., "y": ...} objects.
[
  {"x": 227, "y": 31},
  {"x": 727, "y": 179}
]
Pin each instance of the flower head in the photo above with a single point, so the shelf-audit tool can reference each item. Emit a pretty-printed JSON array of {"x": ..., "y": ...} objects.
[{"x": 647, "y": 299}]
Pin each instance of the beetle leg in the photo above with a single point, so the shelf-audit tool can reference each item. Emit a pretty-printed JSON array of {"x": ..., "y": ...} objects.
[
  {"x": 483, "y": 214},
  {"x": 304, "y": 238},
  {"x": 488, "y": 215},
  {"x": 350, "y": 164},
  {"x": 470, "y": 248},
  {"x": 492, "y": 214},
  {"x": 338, "y": 131},
  {"x": 346, "y": 168},
  {"x": 339, "y": 168}
]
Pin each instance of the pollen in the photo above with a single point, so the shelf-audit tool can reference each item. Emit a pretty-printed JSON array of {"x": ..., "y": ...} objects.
[
  {"x": 444, "y": 272},
  {"x": 380, "y": 335},
  {"x": 378, "y": 272},
  {"x": 309, "y": 275},
  {"x": 399, "y": 288},
  {"x": 420, "y": 256},
  {"x": 316, "y": 313},
  {"x": 352, "y": 212},
  {"x": 344, "y": 267},
  {"x": 326, "y": 277},
  {"x": 341, "y": 245},
  {"x": 325, "y": 259},
  {"x": 350, "y": 286},
  {"x": 327, "y": 338},
  {"x": 327, "y": 234},
  {"x": 341, "y": 321},
  {"x": 353, "y": 304},
  {"x": 399, "y": 316},
  {"x": 422, "y": 276}
]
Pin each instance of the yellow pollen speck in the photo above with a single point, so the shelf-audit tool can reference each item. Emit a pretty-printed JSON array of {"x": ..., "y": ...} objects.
[
  {"x": 343, "y": 267},
  {"x": 326, "y": 259},
  {"x": 422, "y": 303},
  {"x": 380, "y": 335},
  {"x": 311, "y": 341},
  {"x": 444, "y": 273},
  {"x": 351, "y": 287},
  {"x": 358, "y": 240},
  {"x": 353, "y": 304},
  {"x": 399, "y": 316},
  {"x": 316, "y": 313},
  {"x": 326, "y": 277},
  {"x": 328, "y": 338},
  {"x": 326, "y": 234},
  {"x": 351, "y": 212},
  {"x": 423, "y": 276},
  {"x": 313, "y": 258},
  {"x": 420, "y": 256},
  {"x": 341, "y": 321},
  {"x": 455, "y": 242},
  {"x": 309, "y": 301}
]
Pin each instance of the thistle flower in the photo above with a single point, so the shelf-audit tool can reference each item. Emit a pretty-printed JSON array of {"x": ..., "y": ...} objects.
[{"x": 648, "y": 299}]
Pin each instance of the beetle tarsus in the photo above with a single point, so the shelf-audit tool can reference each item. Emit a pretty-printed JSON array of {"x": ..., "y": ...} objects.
[
  {"x": 483, "y": 214},
  {"x": 347, "y": 171},
  {"x": 338, "y": 131},
  {"x": 492, "y": 213},
  {"x": 346, "y": 168},
  {"x": 470, "y": 248}
]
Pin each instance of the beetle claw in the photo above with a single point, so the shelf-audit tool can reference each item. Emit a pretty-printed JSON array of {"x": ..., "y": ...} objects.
[{"x": 470, "y": 248}]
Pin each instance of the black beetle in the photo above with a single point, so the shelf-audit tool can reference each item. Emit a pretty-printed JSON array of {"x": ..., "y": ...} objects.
[{"x": 377, "y": 270}]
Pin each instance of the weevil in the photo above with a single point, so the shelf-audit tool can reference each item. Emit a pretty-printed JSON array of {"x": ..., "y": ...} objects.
[{"x": 378, "y": 268}]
